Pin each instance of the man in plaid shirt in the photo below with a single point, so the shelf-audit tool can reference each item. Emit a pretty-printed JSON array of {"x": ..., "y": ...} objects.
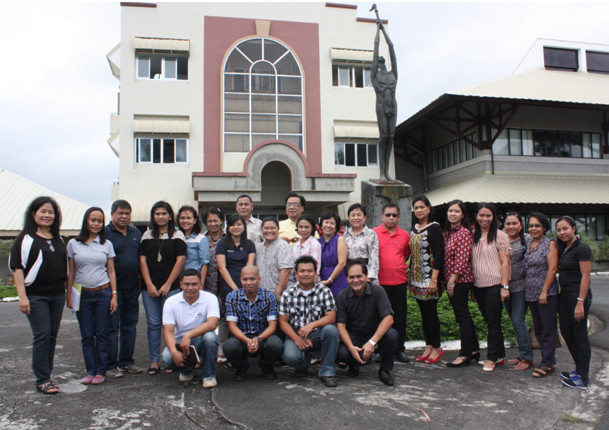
[
  {"x": 307, "y": 314},
  {"x": 251, "y": 313}
]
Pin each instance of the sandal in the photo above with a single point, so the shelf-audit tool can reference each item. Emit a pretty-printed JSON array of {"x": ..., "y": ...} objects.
[
  {"x": 48, "y": 388},
  {"x": 153, "y": 371},
  {"x": 523, "y": 365},
  {"x": 489, "y": 366},
  {"x": 514, "y": 361},
  {"x": 542, "y": 371},
  {"x": 169, "y": 370}
]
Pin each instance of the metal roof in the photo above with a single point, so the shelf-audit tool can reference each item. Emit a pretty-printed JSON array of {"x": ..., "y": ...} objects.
[
  {"x": 16, "y": 193},
  {"x": 535, "y": 189}
]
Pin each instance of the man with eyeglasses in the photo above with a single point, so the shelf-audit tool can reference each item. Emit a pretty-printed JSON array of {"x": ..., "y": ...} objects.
[
  {"x": 294, "y": 207},
  {"x": 393, "y": 253}
]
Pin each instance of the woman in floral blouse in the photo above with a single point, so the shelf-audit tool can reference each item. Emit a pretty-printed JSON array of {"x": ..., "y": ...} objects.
[{"x": 362, "y": 242}]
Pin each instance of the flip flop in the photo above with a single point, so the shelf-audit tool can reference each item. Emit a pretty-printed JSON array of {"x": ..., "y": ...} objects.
[
  {"x": 542, "y": 372},
  {"x": 153, "y": 371}
]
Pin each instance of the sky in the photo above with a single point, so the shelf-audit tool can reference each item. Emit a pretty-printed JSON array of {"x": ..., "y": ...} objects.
[{"x": 57, "y": 91}]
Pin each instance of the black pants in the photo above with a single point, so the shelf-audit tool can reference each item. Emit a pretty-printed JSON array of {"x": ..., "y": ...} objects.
[
  {"x": 397, "y": 298},
  {"x": 430, "y": 321},
  {"x": 467, "y": 329},
  {"x": 544, "y": 323},
  {"x": 576, "y": 333},
  {"x": 269, "y": 350},
  {"x": 386, "y": 350},
  {"x": 489, "y": 302}
]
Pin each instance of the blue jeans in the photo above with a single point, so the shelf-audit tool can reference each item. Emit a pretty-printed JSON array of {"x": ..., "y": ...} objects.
[
  {"x": 154, "y": 318},
  {"x": 516, "y": 307},
  {"x": 93, "y": 317},
  {"x": 45, "y": 318},
  {"x": 207, "y": 348},
  {"x": 124, "y": 320},
  {"x": 301, "y": 360}
]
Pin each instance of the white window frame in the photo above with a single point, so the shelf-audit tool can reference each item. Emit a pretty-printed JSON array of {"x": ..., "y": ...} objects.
[
  {"x": 163, "y": 75},
  {"x": 137, "y": 150},
  {"x": 367, "y": 144},
  {"x": 366, "y": 81}
]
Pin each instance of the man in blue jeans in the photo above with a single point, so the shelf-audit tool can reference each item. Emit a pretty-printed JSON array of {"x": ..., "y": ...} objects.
[
  {"x": 307, "y": 314},
  {"x": 126, "y": 241},
  {"x": 189, "y": 320}
]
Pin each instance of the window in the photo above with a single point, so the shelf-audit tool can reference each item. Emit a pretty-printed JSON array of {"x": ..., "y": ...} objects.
[
  {"x": 560, "y": 59},
  {"x": 355, "y": 154},
  {"x": 157, "y": 66},
  {"x": 161, "y": 150},
  {"x": 542, "y": 143},
  {"x": 262, "y": 95},
  {"x": 351, "y": 76},
  {"x": 597, "y": 61},
  {"x": 594, "y": 226},
  {"x": 454, "y": 152}
]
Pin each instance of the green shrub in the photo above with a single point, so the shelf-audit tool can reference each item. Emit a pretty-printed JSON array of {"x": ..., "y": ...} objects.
[
  {"x": 603, "y": 250},
  {"x": 5, "y": 247},
  {"x": 586, "y": 239},
  {"x": 7, "y": 291}
]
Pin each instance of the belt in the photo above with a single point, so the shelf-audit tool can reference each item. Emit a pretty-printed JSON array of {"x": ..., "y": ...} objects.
[{"x": 101, "y": 287}]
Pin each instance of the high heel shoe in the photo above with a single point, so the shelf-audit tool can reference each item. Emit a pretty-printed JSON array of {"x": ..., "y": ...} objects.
[
  {"x": 435, "y": 360},
  {"x": 422, "y": 358},
  {"x": 464, "y": 362}
]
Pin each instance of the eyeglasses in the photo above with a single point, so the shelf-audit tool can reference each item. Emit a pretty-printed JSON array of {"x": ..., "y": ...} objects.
[
  {"x": 391, "y": 215},
  {"x": 535, "y": 225},
  {"x": 292, "y": 205}
]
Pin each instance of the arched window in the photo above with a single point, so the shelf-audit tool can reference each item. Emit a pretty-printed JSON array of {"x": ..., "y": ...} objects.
[{"x": 262, "y": 95}]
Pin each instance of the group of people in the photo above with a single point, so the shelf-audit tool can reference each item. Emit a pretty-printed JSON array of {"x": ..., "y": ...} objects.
[{"x": 294, "y": 293}]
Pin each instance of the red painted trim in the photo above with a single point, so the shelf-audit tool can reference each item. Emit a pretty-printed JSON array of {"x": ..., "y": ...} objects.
[
  {"x": 372, "y": 20},
  {"x": 137, "y": 4},
  {"x": 342, "y": 5}
]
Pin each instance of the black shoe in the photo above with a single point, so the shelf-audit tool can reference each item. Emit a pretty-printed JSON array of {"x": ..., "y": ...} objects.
[
  {"x": 240, "y": 375},
  {"x": 301, "y": 373},
  {"x": 329, "y": 381},
  {"x": 464, "y": 362},
  {"x": 353, "y": 372},
  {"x": 402, "y": 357},
  {"x": 476, "y": 356},
  {"x": 385, "y": 377},
  {"x": 269, "y": 374}
]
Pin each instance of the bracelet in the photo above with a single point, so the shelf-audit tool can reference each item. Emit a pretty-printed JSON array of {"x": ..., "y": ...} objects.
[
  {"x": 330, "y": 279},
  {"x": 580, "y": 299},
  {"x": 114, "y": 292}
]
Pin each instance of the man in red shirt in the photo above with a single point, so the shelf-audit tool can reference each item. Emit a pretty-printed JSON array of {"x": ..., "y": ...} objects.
[{"x": 393, "y": 253}]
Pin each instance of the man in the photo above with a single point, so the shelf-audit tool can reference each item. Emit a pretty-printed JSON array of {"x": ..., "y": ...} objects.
[
  {"x": 126, "y": 242},
  {"x": 244, "y": 207},
  {"x": 294, "y": 207},
  {"x": 251, "y": 313},
  {"x": 393, "y": 253},
  {"x": 189, "y": 319},
  {"x": 364, "y": 319},
  {"x": 307, "y": 313}
]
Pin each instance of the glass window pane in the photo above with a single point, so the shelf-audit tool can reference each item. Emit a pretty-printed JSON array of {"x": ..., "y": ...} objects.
[
  {"x": 290, "y": 104},
  {"x": 258, "y": 138},
  {"x": 263, "y": 83},
  {"x": 156, "y": 150},
  {"x": 168, "y": 151},
  {"x": 155, "y": 67},
  {"x": 372, "y": 158},
  {"x": 236, "y": 83},
  {"x": 236, "y": 142},
  {"x": 143, "y": 67},
  {"x": 252, "y": 49},
  {"x": 500, "y": 147},
  {"x": 580, "y": 222},
  {"x": 287, "y": 66},
  {"x": 263, "y": 67},
  {"x": 182, "y": 68},
  {"x": 586, "y": 145},
  {"x": 592, "y": 227},
  {"x": 273, "y": 50},
  {"x": 349, "y": 154},
  {"x": 263, "y": 104},
  {"x": 367, "y": 81},
  {"x": 596, "y": 145},
  {"x": 236, "y": 103},
  {"x": 335, "y": 76},
  {"x": 264, "y": 124},
  {"x": 539, "y": 143},
  {"x": 359, "y": 77},
  {"x": 600, "y": 227},
  {"x": 527, "y": 142},
  {"x": 145, "y": 151},
  {"x": 563, "y": 145},
  {"x": 290, "y": 124},
  {"x": 343, "y": 76},
  {"x": 339, "y": 154},
  {"x": 515, "y": 142},
  {"x": 576, "y": 144},
  {"x": 294, "y": 139},
  {"x": 289, "y": 85},
  {"x": 171, "y": 68},
  {"x": 181, "y": 151},
  {"x": 237, "y": 62},
  {"x": 362, "y": 154},
  {"x": 236, "y": 123}
]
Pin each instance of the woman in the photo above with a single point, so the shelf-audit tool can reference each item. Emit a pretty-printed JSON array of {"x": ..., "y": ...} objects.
[
  {"x": 541, "y": 290},
  {"x": 491, "y": 268},
  {"x": 574, "y": 300},
  {"x": 516, "y": 305},
  {"x": 459, "y": 279},
  {"x": 333, "y": 254},
  {"x": 307, "y": 245},
  {"x": 197, "y": 254},
  {"x": 163, "y": 252},
  {"x": 362, "y": 242},
  {"x": 273, "y": 258},
  {"x": 39, "y": 265},
  {"x": 91, "y": 263},
  {"x": 426, "y": 260}
]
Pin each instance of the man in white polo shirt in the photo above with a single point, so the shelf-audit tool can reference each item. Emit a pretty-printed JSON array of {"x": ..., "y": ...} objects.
[{"x": 190, "y": 318}]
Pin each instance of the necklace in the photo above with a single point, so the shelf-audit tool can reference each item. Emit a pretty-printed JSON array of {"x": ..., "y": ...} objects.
[{"x": 160, "y": 243}]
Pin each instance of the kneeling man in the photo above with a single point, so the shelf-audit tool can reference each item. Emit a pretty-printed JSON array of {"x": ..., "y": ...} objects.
[
  {"x": 364, "y": 320},
  {"x": 307, "y": 313},
  {"x": 190, "y": 318},
  {"x": 251, "y": 313}
]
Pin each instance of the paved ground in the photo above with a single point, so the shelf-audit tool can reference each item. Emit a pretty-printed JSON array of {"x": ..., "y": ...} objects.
[{"x": 425, "y": 396}]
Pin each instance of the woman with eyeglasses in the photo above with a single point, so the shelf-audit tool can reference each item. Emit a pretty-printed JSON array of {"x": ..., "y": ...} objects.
[
  {"x": 333, "y": 254},
  {"x": 362, "y": 242}
]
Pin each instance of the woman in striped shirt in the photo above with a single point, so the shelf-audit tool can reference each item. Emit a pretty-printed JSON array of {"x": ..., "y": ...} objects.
[{"x": 491, "y": 268}]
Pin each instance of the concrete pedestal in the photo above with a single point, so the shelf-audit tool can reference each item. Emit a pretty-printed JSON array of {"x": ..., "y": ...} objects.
[{"x": 376, "y": 194}]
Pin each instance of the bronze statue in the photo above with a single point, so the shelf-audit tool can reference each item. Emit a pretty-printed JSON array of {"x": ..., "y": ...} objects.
[{"x": 384, "y": 83}]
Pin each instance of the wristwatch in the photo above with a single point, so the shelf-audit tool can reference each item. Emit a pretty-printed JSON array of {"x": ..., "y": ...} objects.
[
  {"x": 506, "y": 287},
  {"x": 373, "y": 343}
]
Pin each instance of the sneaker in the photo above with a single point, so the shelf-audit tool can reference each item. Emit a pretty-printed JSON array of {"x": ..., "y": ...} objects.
[
  {"x": 185, "y": 377},
  {"x": 114, "y": 373},
  {"x": 87, "y": 379},
  {"x": 132, "y": 368},
  {"x": 569, "y": 375},
  {"x": 99, "y": 379},
  {"x": 210, "y": 382},
  {"x": 575, "y": 383},
  {"x": 329, "y": 381}
]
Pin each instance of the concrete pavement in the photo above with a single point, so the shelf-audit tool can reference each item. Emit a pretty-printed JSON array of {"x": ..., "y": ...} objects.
[{"x": 425, "y": 396}]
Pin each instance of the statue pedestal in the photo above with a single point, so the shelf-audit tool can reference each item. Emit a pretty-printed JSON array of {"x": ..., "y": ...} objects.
[{"x": 377, "y": 193}]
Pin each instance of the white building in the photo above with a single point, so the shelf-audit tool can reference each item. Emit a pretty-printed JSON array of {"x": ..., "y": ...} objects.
[{"x": 219, "y": 99}]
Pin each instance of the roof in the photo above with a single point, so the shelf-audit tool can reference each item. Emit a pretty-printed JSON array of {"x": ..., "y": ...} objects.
[
  {"x": 537, "y": 189},
  {"x": 16, "y": 193}
]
